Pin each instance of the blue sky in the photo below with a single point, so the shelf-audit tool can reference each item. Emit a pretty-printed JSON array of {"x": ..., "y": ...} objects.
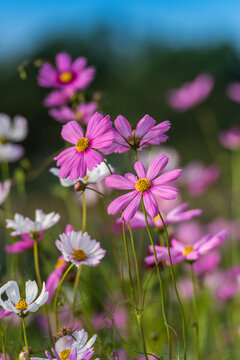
[{"x": 25, "y": 24}]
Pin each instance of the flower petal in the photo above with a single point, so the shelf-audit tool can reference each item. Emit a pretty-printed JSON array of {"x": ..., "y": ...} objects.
[{"x": 156, "y": 166}]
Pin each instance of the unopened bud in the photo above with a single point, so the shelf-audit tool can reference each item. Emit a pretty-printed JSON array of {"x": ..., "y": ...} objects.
[
  {"x": 23, "y": 356},
  {"x": 114, "y": 356},
  {"x": 78, "y": 185}
]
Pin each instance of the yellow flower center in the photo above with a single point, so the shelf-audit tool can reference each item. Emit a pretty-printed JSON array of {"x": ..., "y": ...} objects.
[
  {"x": 79, "y": 254},
  {"x": 21, "y": 305},
  {"x": 66, "y": 77},
  {"x": 142, "y": 185},
  {"x": 156, "y": 218},
  {"x": 59, "y": 263},
  {"x": 64, "y": 355},
  {"x": 86, "y": 177},
  {"x": 188, "y": 249},
  {"x": 82, "y": 144}
]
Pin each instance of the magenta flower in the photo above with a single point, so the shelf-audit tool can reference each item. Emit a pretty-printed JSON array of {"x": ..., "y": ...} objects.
[
  {"x": 229, "y": 287},
  {"x": 207, "y": 263},
  {"x": 198, "y": 177},
  {"x": 230, "y": 139},
  {"x": 146, "y": 134},
  {"x": 55, "y": 277},
  {"x": 84, "y": 155},
  {"x": 144, "y": 185},
  {"x": 56, "y": 98},
  {"x": 233, "y": 91},
  {"x": 183, "y": 252},
  {"x": 82, "y": 114},
  {"x": 67, "y": 75},
  {"x": 190, "y": 94},
  {"x": 176, "y": 215}
]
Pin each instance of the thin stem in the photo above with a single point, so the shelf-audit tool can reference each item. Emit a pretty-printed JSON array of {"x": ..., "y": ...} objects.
[
  {"x": 39, "y": 280},
  {"x": 106, "y": 163},
  {"x": 57, "y": 293},
  {"x": 75, "y": 287},
  {"x": 99, "y": 193},
  {"x": 84, "y": 212},
  {"x": 25, "y": 336},
  {"x": 175, "y": 288},
  {"x": 195, "y": 309},
  {"x": 140, "y": 308},
  {"x": 160, "y": 282},
  {"x": 3, "y": 341}
]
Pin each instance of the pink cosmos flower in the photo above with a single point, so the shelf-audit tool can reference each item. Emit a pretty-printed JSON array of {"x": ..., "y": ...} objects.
[
  {"x": 233, "y": 91},
  {"x": 190, "y": 94},
  {"x": 56, "y": 98},
  {"x": 146, "y": 133},
  {"x": 198, "y": 177},
  {"x": 229, "y": 287},
  {"x": 2, "y": 357},
  {"x": 84, "y": 155},
  {"x": 67, "y": 75},
  {"x": 144, "y": 185},
  {"x": 176, "y": 215},
  {"x": 230, "y": 139},
  {"x": 182, "y": 252},
  {"x": 207, "y": 264},
  {"x": 82, "y": 114},
  {"x": 55, "y": 277},
  {"x": 189, "y": 232}
]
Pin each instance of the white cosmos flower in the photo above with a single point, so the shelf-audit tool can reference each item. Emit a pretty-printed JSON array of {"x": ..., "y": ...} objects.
[
  {"x": 78, "y": 248},
  {"x": 24, "y": 225},
  {"x": 92, "y": 177},
  {"x": 4, "y": 190},
  {"x": 10, "y": 152},
  {"x": 73, "y": 347},
  {"x": 15, "y": 130},
  {"x": 20, "y": 305}
]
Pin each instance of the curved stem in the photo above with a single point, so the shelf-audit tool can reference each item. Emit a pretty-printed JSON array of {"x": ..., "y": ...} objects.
[
  {"x": 25, "y": 336},
  {"x": 109, "y": 169},
  {"x": 39, "y": 280},
  {"x": 99, "y": 193},
  {"x": 175, "y": 288},
  {"x": 57, "y": 293},
  {"x": 75, "y": 287},
  {"x": 195, "y": 309},
  {"x": 3, "y": 341},
  {"x": 160, "y": 282},
  {"x": 140, "y": 308}
]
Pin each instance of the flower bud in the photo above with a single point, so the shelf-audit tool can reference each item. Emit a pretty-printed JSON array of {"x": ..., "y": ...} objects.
[
  {"x": 78, "y": 185},
  {"x": 23, "y": 356}
]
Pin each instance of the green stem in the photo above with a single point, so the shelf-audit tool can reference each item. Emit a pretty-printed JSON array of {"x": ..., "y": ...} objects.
[
  {"x": 140, "y": 308},
  {"x": 25, "y": 336},
  {"x": 3, "y": 341},
  {"x": 57, "y": 293},
  {"x": 175, "y": 288},
  {"x": 39, "y": 280},
  {"x": 195, "y": 309},
  {"x": 75, "y": 292},
  {"x": 160, "y": 282},
  {"x": 84, "y": 212}
]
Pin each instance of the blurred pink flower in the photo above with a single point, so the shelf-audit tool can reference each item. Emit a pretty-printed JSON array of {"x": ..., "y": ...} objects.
[
  {"x": 190, "y": 94},
  {"x": 230, "y": 139},
  {"x": 228, "y": 286},
  {"x": 2, "y": 357},
  {"x": 119, "y": 317},
  {"x": 145, "y": 185},
  {"x": 56, "y": 98},
  {"x": 185, "y": 289},
  {"x": 176, "y": 215},
  {"x": 190, "y": 253},
  {"x": 82, "y": 114},
  {"x": 85, "y": 154},
  {"x": 67, "y": 75},
  {"x": 233, "y": 91},
  {"x": 198, "y": 177},
  {"x": 4, "y": 190},
  {"x": 55, "y": 277},
  {"x": 207, "y": 264},
  {"x": 189, "y": 232},
  {"x": 232, "y": 227}
]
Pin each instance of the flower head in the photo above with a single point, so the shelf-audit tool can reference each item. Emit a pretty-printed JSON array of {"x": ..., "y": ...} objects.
[
  {"x": 145, "y": 134},
  {"x": 145, "y": 185},
  {"x": 30, "y": 230},
  {"x": 190, "y": 94},
  {"x": 233, "y": 91},
  {"x": 22, "y": 305},
  {"x": 230, "y": 139},
  {"x": 72, "y": 347},
  {"x": 80, "y": 249},
  {"x": 67, "y": 75},
  {"x": 84, "y": 155},
  {"x": 198, "y": 178},
  {"x": 82, "y": 114}
]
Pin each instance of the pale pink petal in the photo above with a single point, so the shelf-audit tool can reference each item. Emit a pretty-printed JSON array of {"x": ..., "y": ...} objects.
[
  {"x": 140, "y": 169},
  {"x": 150, "y": 204},
  {"x": 119, "y": 182},
  {"x": 164, "y": 192},
  {"x": 167, "y": 177},
  {"x": 144, "y": 125},
  {"x": 131, "y": 209},
  {"x": 63, "y": 61},
  {"x": 156, "y": 166},
  {"x": 120, "y": 203},
  {"x": 72, "y": 132},
  {"x": 123, "y": 127}
]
